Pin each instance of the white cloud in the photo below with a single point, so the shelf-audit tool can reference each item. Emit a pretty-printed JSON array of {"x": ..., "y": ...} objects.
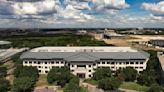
[
  {"x": 34, "y": 8},
  {"x": 110, "y": 4},
  {"x": 157, "y": 9}
]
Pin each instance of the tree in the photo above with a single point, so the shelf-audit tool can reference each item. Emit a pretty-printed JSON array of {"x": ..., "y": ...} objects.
[
  {"x": 59, "y": 75},
  {"x": 109, "y": 83},
  {"x": 23, "y": 84},
  {"x": 146, "y": 79},
  {"x": 128, "y": 74},
  {"x": 102, "y": 73},
  {"x": 155, "y": 88},
  {"x": 26, "y": 71},
  {"x": 4, "y": 85},
  {"x": 3, "y": 72},
  {"x": 73, "y": 86},
  {"x": 150, "y": 75}
]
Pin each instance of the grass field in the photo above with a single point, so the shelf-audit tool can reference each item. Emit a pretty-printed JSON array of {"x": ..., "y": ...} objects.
[
  {"x": 91, "y": 81},
  {"x": 133, "y": 86},
  {"x": 42, "y": 81}
]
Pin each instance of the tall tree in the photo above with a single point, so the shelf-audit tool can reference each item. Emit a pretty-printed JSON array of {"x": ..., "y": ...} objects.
[{"x": 102, "y": 73}]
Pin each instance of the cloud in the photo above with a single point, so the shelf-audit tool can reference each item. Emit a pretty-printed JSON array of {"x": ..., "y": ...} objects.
[
  {"x": 34, "y": 8},
  {"x": 104, "y": 5},
  {"x": 156, "y": 8}
]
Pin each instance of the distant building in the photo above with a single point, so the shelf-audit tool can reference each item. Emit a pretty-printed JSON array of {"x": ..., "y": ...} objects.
[
  {"x": 82, "y": 61},
  {"x": 111, "y": 34},
  {"x": 157, "y": 42}
]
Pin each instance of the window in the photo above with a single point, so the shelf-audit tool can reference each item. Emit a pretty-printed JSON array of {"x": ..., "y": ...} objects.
[
  {"x": 46, "y": 67},
  {"x": 52, "y": 62},
  {"x": 46, "y": 71},
  {"x": 98, "y": 62},
  {"x": 30, "y": 62},
  {"x": 89, "y": 70},
  {"x": 25, "y": 62},
  {"x": 38, "y": 62},
  {"x": 39, "y": 66},
  {"x": 61, "y": 62},
  {"x": 120, "y": 63},
  {"x": 141, "y": 62},
  {"x": 141, "y": 67},
  {"x": 112, "y": 63},
  {"x": 131, "y": 62},
  {"x": 89, "y": 65},
  {"x": 103, "y": 62},
  {"x": 108, "y": 62},
  {"x": 112, "y": 67},
  {"x": 72, "y": 70},
  {"x": 57, "y": 62},
  {"x": 94, "y": 64},
  {"x": 40, "y": 71},
  {"x": 136, "y": 62},
  {"x": 45, "y": 62},
  {"x": 136, "y": 67},
  {"x": 72, "y": 65},
  {"x": 90, "y": 75},
  {"x": 34, "y": 62},
  {"x": 98, "y": 67},
  {"x": 127, "y": 62}
]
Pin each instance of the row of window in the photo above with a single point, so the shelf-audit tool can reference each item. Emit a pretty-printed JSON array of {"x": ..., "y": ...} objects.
[
  {"x": 38, "y": 62},
  {"x": 50, "y": 67},
  {"x": 122, "y": 67},
  {"x": 82, "y": 66},
  {"x": 88, "y": 70},
  {"x": 112, "y": 63}
]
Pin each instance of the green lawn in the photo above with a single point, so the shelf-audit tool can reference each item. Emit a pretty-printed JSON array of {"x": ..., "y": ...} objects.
[
  {"x": 42, "y": 81},
  {"x": 91, "y": 81},
  {"x": 133, "y": 86}
]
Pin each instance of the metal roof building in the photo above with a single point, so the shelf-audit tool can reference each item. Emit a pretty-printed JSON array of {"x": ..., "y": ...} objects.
[{"x": 84, "y": 59}]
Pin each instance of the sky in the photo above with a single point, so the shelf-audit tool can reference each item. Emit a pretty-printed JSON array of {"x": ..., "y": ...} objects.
[{"x": 81, "y": 13}]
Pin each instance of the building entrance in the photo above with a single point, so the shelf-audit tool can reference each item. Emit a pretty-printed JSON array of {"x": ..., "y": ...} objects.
[{"x": 81, "y": 75}]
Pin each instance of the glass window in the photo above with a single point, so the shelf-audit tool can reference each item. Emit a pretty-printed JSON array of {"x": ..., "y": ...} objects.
[
  {"x": 72, "y": 65},
  {"x": 57, "y": 62},
  {"x": 136, "y": 62},
  {"x": 141, "y": 62},
  {"x": 46, "y": 67},
  {"x": 89, "y": 65},
  {"x": 34, "y": 62},
  {"x": 89, "y": 70},
  {"x": 40, "y": 71},
  {"x": 25, "y": 62},
  {"x": 98, "y": 62},
  {"x": 38, "y": 62},
  {"x": 127, "y": 62},
  {"x": 90, "y": 75},
  {"x": 112, "y": 63},
  {"x": 30, "y": 62},
  {"x": 52, "y": 62},
  {"x": 131, "y": 62},
  {"x": 103, "y": 62},
  {"x": 45, "y": 62},
  {"x": 46, "y": 71},
  {"x": 62, "y": 62},
  {"x": 108, "y": 62}
]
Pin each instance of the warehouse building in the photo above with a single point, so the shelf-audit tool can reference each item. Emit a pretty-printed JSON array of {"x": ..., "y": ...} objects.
[{"x": 82, "y": 61}]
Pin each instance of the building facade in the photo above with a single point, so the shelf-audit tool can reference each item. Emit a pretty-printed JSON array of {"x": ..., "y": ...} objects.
[{"x": 82, "y": 61}]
